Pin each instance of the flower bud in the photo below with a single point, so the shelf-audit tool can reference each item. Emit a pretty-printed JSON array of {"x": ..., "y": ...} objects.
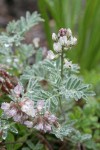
[
  {"x": 62, "y": 32},
  {"x": 29, "y": 124},
  {"x": 54, "y": 37},
  {"x": 73, "y": 41},
  {"x": 69, "y": 32},
  {"x": 36, "y": 42}
]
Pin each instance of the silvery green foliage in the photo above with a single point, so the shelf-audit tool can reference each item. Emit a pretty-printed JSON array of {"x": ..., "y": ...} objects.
[
  {"x": 71, "y": 87},
  {"x": 44, "y": 82},
  {"x": 24, "y": 24},
  {"x": 12, "y": 51},
  {"x": 6, "y": 126},
  {"x": 55, "y": 82}
]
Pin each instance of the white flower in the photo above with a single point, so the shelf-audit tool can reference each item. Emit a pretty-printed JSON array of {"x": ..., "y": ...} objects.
[
  {"x": 36, "y": 42},
  {"x": 28, "y": 108},
  {"x": 8, "y": 60},
  {"x": 6, "y": 45},
  {"x": 68, "y": 64},
  {"x": 29, "y": 124},
  {"x": 73, "y": 41},
  {"x": 68, "y": 43},
  {"x": 63, "y": 40},
  {"x": 50, "y": 55},
  {"x": 54, "y": 37},
  {"x": 57, "y": 47},
  {"x": 69, "y": 32}
]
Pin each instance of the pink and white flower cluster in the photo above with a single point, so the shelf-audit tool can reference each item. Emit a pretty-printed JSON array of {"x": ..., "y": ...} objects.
[
  {"x": 14, "y": 110},
  {"x": 62, "y": 41},
  {"x": 44, "y": 122},
  {"x": 25, "y": 113}
]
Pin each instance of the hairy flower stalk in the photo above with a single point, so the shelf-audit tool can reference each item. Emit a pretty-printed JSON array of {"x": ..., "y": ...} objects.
[
  {"x": 63, "y": 42},
  {"x": 62, "y": 59}
]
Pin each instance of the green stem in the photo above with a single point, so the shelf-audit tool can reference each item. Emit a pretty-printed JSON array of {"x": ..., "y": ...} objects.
[
  {"x": 60, "y": 103},
  {"x": 62, "y": 59}
]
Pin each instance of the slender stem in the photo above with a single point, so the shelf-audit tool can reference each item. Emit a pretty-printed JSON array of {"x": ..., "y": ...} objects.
[
  {"x": 44, "y": 141},
  {"x": 62, "y": 59},
  {"x": 60, "y": 103}
]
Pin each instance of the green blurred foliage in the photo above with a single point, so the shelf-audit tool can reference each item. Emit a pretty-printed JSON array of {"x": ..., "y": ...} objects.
[{"x": 83, "y": 18}]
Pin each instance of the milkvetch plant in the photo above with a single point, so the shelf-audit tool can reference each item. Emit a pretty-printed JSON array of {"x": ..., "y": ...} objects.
[{"x": 44, "y": 92}]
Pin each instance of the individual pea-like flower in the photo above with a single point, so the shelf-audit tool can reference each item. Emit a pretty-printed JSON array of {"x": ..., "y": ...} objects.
[
  {"x": 57, "y": 47},
  {"x": 5, "y": 106},
  {"x": 69, "y": 33},
  {"x": 54, "y": 37},
  {"x": 39, "y": 126},
  {"x": 63, "y": 40},
  {"x": 12, "y": 112},
  {"x": 68, "y": 64},
  {"x": 45, "y": 122},
  {"x": 18, "y": 90},
  {"x": 50, "y": 55},
  {"x": 18, "y": 117},
  {"x": 6, "y": 45},
  {"x": 73, "y": 41},
  {"x": 9, "y": 109},
  {"x": 36, "y": 42},
  {"x": 44, "y": 127},
  {"x": 28, "y": 107},
  {"x": 29, "y": 124},
  {"x": 51, "y": 117},
  {"x": 40, "y": 105}
]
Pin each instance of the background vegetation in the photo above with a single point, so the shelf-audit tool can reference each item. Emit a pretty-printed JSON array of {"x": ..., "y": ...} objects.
[{"x": 83, "y": 18}]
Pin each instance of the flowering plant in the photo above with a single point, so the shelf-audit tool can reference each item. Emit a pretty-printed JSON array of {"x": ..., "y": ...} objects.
[{"x": 42, "y": 96}]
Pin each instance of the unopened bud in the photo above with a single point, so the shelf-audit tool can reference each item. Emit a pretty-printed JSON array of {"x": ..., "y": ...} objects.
[
  {"x": 62, "y": 32},
  {"x": 73, "y": 41},
  {"x": 54, "y": 37},
  {"x": 69, "y": 32}
]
